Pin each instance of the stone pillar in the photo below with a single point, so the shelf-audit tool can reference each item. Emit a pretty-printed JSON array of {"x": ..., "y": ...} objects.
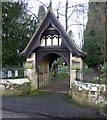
[
  {"x": 34, "y": 80},
  {"x": 31, "y": 73},
  {"x": 73, "y": 75}
]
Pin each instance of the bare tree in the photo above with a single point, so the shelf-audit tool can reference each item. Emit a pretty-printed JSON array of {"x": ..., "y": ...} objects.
[
  {"x": 79, "y": 11},
  {"x": 66, "y": 16},
  {"x": 74, "y": 15}
]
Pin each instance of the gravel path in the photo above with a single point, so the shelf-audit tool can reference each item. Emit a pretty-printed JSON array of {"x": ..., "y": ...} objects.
[{"x": 45, "y": 105}]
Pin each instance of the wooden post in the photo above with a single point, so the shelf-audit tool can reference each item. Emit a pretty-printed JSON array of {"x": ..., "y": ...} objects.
[{"x": 70, "y": 71}]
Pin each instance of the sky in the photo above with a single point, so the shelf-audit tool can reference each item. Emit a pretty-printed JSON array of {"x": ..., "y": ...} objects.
[{"x": 76, "y": 18}]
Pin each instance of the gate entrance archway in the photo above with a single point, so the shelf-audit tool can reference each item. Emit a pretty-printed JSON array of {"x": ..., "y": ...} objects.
[
  {"x": 53, "y": 73},
  {"x": 50, "y": 42}
]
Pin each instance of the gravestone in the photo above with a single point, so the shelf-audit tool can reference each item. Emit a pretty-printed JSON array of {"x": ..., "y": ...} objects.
[
  {"x": 9, "y": 74},
  {"x": 16, "y": 73}
]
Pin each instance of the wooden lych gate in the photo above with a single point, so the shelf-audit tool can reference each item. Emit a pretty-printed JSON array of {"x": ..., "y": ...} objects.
[{"x": 49, "y": 43}]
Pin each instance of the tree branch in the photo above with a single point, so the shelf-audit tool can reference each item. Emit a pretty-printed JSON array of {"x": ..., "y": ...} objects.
[
  {"x": 76, "y": 24},
  {"x": 32, "y": 13},
  {"x": 72, "y": 12},
  {"x": 61, "y": 14}
]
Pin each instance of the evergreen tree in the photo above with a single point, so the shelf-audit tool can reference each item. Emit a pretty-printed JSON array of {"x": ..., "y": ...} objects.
[
  {"x": 17, "y": 29},
  {"x": 41, "y": 13},
  {"x": 94, "y": 34}
]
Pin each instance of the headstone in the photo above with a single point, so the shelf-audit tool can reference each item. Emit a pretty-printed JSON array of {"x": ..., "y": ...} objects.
[
  {"x": 9, "y": 74},
  {"x": 16, "y": 73},
  {"x": 25, "y": 73}
]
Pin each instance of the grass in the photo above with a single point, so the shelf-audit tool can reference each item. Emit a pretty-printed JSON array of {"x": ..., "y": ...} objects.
[
  {"x": 60, "y": 76},
  {"x": 36, "y": 92}
]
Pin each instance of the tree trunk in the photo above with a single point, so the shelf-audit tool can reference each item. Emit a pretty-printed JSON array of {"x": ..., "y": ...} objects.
[{"x": 66, "y": 14}]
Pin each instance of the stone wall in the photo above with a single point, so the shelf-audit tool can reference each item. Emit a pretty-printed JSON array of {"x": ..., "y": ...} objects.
[
  {"x": 89, "y": 94},
  {"x": 15, "y": 86}
]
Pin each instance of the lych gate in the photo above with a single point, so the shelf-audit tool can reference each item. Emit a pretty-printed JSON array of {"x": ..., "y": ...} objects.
[{"x": 50, "y": 42}]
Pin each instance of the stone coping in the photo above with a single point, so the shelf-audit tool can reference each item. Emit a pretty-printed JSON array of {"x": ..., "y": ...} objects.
[
  {"x": 89, "y": 86},
  {"x": 15, "y": 81}
]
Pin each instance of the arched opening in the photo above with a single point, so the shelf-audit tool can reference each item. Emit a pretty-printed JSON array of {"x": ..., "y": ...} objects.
[{"x": 53, "y": 73}]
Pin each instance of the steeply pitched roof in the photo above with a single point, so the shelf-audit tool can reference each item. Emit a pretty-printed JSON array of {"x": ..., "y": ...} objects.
[{"x": 34, "y": 43}]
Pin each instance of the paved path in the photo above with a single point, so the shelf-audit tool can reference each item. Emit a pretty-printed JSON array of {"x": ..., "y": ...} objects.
[{"x": 45, "y": 105}]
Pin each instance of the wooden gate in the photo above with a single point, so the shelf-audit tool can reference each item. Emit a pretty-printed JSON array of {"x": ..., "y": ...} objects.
[
  {"x": 43, "y": 78},
  {"x": 48, "y": 82}
]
